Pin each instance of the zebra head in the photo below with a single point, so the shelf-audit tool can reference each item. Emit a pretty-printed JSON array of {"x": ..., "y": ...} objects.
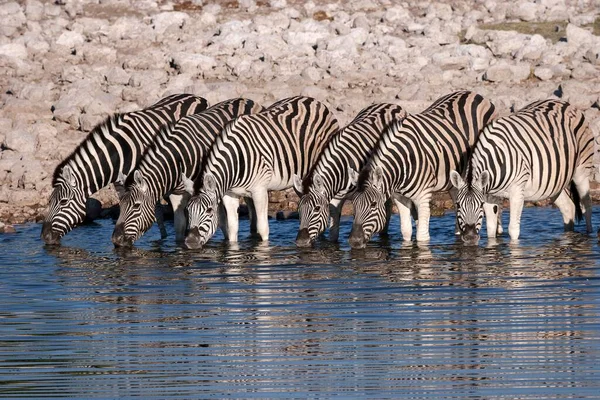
[
  {"x": 369, "y": 210},
  {"x": 469, "y": 205},
  {"x": 203, "y": 215},
  {"x": 313, "y": 209},
  {"x": 66, "y": 208},
  {"x": 137, "y": 206}
]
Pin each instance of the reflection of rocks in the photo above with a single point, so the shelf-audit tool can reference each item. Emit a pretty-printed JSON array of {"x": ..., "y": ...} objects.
[{"x": 67, "y": 65}]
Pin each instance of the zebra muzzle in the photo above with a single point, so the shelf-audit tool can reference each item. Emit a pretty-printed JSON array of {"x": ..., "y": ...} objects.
[
  {"x": 357, "y": 237},
  {"x": 303, "y": 238},
  {"x": 193, "y": 239},
  {"x": 49, "y": 235},
  {"x": 469, "y": 235},
  {"x": 119, "y": 238}
]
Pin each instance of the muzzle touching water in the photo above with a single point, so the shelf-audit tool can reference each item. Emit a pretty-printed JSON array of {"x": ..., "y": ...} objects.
[
  {"x": 193, "y": 239},
  {"x": 469, "y": 235},
  {"x": 358, "y": 239},
  {"x": 303, "y": 238},
  {"x": 50, "y": 236},
  {"x": 119, "y": 238}
]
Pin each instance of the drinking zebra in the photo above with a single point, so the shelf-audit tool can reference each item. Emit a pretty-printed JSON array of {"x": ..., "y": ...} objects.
[
  {"x": 111, "y": 148},
  {"x": 413, "y": 160},
  {"x": 178, "y": 150},
  {"x": 325, "y": 190},
  {"x": 255, "y": 154},
  {"x": 543, "y": 151}
]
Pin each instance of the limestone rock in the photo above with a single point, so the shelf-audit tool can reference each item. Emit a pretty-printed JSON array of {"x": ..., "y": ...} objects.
[{"x": 161, "y": 22}]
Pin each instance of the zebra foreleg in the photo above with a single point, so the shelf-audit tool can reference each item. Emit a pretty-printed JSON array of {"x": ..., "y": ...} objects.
[
  {"x": 231, "y": 223},
  {"x": 179, "y": 204},
  {"x": 581, "y": 179},
  {"x": 160, "y": 219},
  {"x": 424, "y": 212},
  {"x": 261, "y": 204},
  {"x": 567, "y": 209},
  {"x": 335, "y": 212},
  {"x": 453, "y": 193},
  {"x": 251, "y": 215},
  {"x": 516, "y": 199},
  {"x": 405, "y": 220},
  {"x": 492, "y": 212},
  {"x": 388, "y": 216}
]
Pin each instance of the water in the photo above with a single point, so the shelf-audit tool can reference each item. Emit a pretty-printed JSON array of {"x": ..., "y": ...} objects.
[{"x": 500, "y": 320}]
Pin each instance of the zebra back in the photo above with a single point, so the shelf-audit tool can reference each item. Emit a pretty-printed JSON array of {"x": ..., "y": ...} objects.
[
  {"x": 351, "y": 147},
  {"x": 116, "y": 145},
  {"x": 182, "y": 147},
  {"x": 419, "y": 152},
  {"x": 283, "y": 140},
  {"x": 543, "y": 144}
]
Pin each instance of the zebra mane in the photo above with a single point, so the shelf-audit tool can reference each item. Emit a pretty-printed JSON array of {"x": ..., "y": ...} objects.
[
  {"x": 110, "y": 120},
  {"x": 363, "y": 177}
]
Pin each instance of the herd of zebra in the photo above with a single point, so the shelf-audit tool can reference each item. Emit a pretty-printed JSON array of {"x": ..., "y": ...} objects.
[{"x": 205, "y": 158}]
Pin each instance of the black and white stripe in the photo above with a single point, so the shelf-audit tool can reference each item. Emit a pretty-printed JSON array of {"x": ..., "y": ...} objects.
[
  {"x": 255, "y": 154},
  {"x": 112, "y": 148},
  {"x": 324, "y": 191},
  {"x": 413, "y": 160},
  {"x": 179, "y": 150},
  {"x": 543, "y": 151}
]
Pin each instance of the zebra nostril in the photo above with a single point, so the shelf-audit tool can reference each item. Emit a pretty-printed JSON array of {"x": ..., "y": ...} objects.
[
  {"x": 303, "y": 238},
  {"x": 49, "y": 235}
]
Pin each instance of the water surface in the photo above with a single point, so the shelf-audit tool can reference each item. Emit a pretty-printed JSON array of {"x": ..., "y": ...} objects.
[{"x": 501, "y": 320}]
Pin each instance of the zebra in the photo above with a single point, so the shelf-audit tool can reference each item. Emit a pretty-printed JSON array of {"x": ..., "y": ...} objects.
[
  {"x": 413, "y": 160},
  {"x": 111, "y": 149},
  {"x": 255, "y": 154},
  {"x": 177, "y": 151},
  {"x": 325, "y": 190},
  {"x": 543, "y": 151}
]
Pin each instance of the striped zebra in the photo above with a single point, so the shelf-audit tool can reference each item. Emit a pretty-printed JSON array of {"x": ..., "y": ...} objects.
[
  {"x": 178, "y": 150},
  {"x": 255, "y": 154},
  {"x": 324, "y": 191},
  {"x": 112, "y": 148},
  {"x": 413, "y": 160},
  {"x": 543, "y": 151}
]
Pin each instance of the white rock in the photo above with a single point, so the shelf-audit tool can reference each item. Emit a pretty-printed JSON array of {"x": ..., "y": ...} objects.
[
  {"x": 70, "y": 39},
  {"x": 439, "y": 10},
  {"x": 500, "y": 72},
  {"x": 12, "y": 17},
  {"x": 117, "y": 76},
  {"x": 87, "y": 122},
  {"x": 34, "y": 10},
  {"x": 524, "y": 11},
  {"x": 585, "y": 71},
  {"x": 51, "y": 10},
  {"x": 193, "y": 62},
  {"x": 312, "y": 74},
  {"x": 360, "y": 21},
  {"x": 14, "y": 50},
  {"x": 533, "y": 49},
  {"x": 397, "y": 14},
  {"x": 543, "y": 73},
  {"x": 163, "y": 21},
  {"x": 21, "y": 141},
  {"x": 579, "y": 37}
]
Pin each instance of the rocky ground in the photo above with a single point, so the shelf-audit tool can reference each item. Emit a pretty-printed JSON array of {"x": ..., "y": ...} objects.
[{"x": 67, "y": 64}]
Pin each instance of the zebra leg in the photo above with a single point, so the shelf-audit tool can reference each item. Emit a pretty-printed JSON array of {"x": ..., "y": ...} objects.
[
  {"x": 516, "y": 199},
  {"x": 424, "y": 211},
  {"x": 261, "y": 204},
  {"x": 499, "y": 229},
  {"x": 179, "y": 203},
  {"x": 388, "y": 216},
  {"x": 582, "y": 183},
  {"x": 335, "y": 212},
  {"x": 160, "y": 219},
  {"x": 231, "y": 204},
  {"x": 251, "y": 215},
  {"x": 453, "y": 193},
  {"x": 567, "y": 209},
  {"x": 491, "y": 219},
  {"x": 405, "y": 220}
]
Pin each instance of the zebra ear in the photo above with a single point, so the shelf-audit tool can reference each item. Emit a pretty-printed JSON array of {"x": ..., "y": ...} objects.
[
  {"x": 353, "y": 177},
  {"x": 377, "y": 178},
  {"x": 119, "y": 185},
  {"x": 298, "y": 187},
  {"x": 68, "y": 176},
  {"x": 456, "y": 179},
  {"x": 318, "y": 183},
  {"x": 188, "y": 184},
  {"x": 139, "y": 180},
  {"x": 484, "y": 178},
  {"x": 210, "y": 183}
]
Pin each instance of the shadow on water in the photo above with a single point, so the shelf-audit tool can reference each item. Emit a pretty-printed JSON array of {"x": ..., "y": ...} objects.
[{"x": 437, "y": 320}]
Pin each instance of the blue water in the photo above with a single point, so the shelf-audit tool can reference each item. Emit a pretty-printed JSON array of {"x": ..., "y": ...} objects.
[{"x": 501, "y": 320}]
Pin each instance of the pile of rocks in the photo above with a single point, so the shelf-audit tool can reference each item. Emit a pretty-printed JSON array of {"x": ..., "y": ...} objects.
[{"x": 65, "y": 65}]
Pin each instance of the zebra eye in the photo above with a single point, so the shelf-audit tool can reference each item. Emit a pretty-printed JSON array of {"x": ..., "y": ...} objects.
[
  {"x": 64, "y": 202},
  {"x": 317, "y": 209},
  {"x": 373, "y": 204},
  {"x": 209, "y": 210},
  {"x": 136, "y": 205}
]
